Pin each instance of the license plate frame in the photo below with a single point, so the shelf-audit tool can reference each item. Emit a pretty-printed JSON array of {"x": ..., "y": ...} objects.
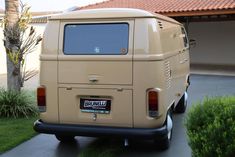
[{"x": 102, "y": 106}]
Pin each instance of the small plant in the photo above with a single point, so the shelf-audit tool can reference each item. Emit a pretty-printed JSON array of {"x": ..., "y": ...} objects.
[
  {"x": 14, "y": 104},
  {"x": 211, "y": 127}
]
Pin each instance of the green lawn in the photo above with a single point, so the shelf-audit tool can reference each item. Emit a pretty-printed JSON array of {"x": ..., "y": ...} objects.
[{"x": 15, "y": 131}]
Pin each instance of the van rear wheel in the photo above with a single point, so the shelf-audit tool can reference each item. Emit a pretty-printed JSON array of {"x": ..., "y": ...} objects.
[
  {"x": 65, "y": 138},
  {"x": 164, "y": 143},
  {"x": 182, "y": 104}
]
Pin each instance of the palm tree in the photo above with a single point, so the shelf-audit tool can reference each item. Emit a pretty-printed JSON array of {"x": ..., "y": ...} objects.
[
  {"x": 18, "y": 43},
  {"x": 11, "y": 43}
]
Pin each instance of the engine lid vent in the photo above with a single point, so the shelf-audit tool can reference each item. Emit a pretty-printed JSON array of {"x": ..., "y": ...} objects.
[{"x": 160, "y": 24}]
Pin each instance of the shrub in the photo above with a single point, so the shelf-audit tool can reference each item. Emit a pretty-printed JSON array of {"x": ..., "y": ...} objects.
[
  {"x": 15, "y": 104},
  {"x": 211, "y": 127}
]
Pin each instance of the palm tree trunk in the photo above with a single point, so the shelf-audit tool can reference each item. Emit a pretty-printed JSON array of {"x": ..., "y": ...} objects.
[
  {"x": 13, "y": 71},
  {"x": 13, "y": 76},
  {"x": 12, "y": 11}
]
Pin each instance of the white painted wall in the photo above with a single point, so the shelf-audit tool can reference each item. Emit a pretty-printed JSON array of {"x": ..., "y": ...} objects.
[
  {"x": 2, "y": 54},
  {"x": 215, "y": 42},
  {"x": 32, "y": 59}
]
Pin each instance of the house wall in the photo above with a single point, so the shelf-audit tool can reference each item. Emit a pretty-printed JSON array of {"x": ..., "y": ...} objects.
[
  {"x": 215, "y": 42},
  {"x": 2, "y": 54},
  {"x": 32, "y": 60},
  {"x": 215, "y": 45}
]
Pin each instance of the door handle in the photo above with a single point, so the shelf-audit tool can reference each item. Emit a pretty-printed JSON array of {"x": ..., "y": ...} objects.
[{"x": 93, "y": 79}]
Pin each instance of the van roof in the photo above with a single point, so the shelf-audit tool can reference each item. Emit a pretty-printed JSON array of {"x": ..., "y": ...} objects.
[{"x": 105, "y": 13}]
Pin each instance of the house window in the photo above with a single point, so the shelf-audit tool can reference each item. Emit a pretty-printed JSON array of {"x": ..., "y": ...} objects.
[{"x": 96, "y": 39}]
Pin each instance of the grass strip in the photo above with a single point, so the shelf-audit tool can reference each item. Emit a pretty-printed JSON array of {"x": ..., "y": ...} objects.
[{"x": 15, "y": 131}]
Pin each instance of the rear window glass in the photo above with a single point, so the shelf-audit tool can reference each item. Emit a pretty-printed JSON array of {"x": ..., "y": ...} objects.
[{"x": 96, "y": 39}]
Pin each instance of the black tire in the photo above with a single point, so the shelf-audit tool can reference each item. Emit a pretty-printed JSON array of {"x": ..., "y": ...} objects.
[
  {"x": 65, "y": 138},
  {"x": 164, "y": 143},
  {"x": 182, "y": 104}
]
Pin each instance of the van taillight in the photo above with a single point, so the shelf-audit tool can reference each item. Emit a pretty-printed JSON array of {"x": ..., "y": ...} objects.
[
  {"x": 41, "y": 98},
  {"x": 153, "y": 103}
]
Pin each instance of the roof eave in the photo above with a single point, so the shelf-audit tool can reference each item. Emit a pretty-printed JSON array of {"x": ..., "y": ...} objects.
[{"x": 199, "y": 13}]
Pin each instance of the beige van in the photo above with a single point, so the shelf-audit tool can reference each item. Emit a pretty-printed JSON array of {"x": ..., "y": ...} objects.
[{"x": 112, "y": 72}]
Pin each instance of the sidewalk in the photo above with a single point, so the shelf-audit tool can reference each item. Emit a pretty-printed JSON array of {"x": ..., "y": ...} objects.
[
  {"x": 44, "y": 145},
  {"x": 212, "y": 70},
  {"x": 33, "y": 83},
  {"x": 201, "y": 69}
]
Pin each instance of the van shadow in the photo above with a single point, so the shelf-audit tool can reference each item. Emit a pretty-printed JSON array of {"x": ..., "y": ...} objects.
[
  {"x": 114, "y": 146},
  {"x": 70, "y": 149}
]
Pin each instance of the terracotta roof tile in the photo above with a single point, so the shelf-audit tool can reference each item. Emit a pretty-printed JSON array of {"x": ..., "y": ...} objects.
[{"x": 167, "y": 6}]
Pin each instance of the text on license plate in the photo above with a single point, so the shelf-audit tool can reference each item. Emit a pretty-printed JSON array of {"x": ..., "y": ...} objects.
[{"x": 95, "y": 105}]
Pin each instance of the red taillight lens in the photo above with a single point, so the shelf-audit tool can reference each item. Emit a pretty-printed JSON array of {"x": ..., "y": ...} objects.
[
  {"x": 153, "y": 103},
  {"x": 41, "y": 98}
]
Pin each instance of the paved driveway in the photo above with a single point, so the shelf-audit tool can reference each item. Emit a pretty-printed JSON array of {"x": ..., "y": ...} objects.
[{"x": 201, "y": 85}]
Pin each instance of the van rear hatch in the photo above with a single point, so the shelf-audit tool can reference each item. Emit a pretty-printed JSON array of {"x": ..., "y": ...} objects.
[{"x": 95, "y": 73}]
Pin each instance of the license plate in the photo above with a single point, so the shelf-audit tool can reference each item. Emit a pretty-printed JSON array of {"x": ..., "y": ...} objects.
[{"x": 95, "y": 105}]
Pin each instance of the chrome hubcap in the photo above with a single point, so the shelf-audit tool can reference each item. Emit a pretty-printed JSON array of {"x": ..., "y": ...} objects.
[
  {"x": 169, "y": 126},
  {"x": 185, "y": 98}
]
